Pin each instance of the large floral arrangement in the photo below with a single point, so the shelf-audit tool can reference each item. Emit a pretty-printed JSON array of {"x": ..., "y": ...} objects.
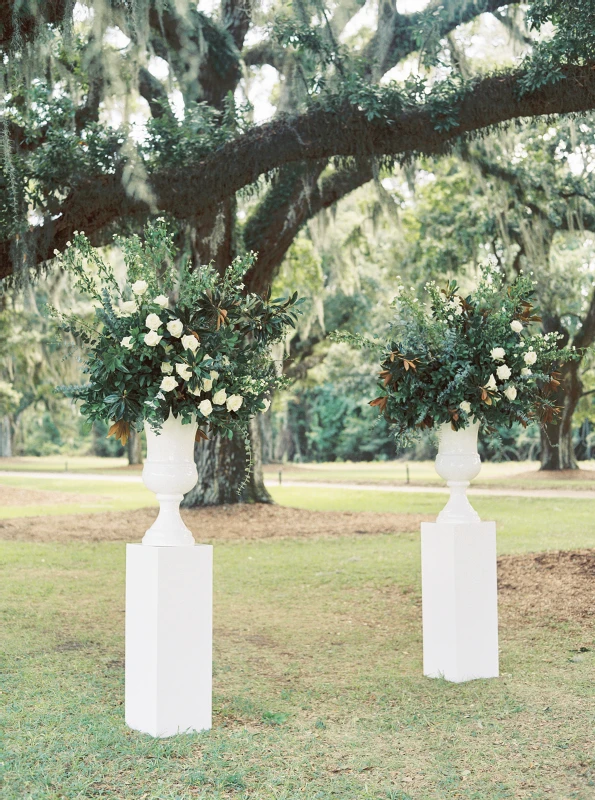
[
  {"x": 459, "y": 359},
  {"x": 194, "y": 345}
]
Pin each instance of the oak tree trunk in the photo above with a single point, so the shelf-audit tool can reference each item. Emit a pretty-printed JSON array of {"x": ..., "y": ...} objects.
[
  {"x": 557, "y": 450},
  {"x": 5, "y": 437},
  {"x": 221, "y": 465},
  {"x": 134, "y": 447}
]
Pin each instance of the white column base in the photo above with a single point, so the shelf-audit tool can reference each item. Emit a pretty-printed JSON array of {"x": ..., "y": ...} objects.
[
  {"x": 169, "y": 638},
  {"x": 459, "y": 600}
]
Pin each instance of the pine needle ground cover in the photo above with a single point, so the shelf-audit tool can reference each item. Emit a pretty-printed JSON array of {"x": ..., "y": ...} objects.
[{"x": 317, "y": 683}]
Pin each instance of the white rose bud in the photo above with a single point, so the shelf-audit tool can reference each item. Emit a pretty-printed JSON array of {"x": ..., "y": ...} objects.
[
  {"x": 491, "y": 384},
  {"x": 153, "y": 322},
  {"x": 207, "y": 385},
  {"x": 127, "y": 342},
  {"x": 516, "y": 326},
  {"x": 214, "y": 375},
  {"x": 195, "y": 392},
  {"x": 128, "y": 308},
  {"x": 497, "y": 354},
  {"x": 503, "y": 372},
  {"x": 161, "y": 300},
  {"x": 234, "y": 402},
  {"x": 140, "y": 287},
  {"x": 220, "y": 397},
  {"x": 152, "y": 338},
  {"x": 530, "y": 357},
  {"x": 205, "y": 408},
  {"x": 175, "y": 327},
  {"x": 267, "y": 404},
  {"x": 525, "y": 372},
  {"x": 190, "y": 342},
  {"x": 184, "y": 371},
  {"x": 167, "y": 368},
  {"x": 168, "y": 383},
  {"x": 465, "y": 406},
  {"x": 510, "y": 393}
]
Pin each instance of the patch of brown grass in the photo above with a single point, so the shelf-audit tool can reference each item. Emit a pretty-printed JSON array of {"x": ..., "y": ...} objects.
[
  {"x": 216, "y": 523},
  {"x": 15, "y": 496}
]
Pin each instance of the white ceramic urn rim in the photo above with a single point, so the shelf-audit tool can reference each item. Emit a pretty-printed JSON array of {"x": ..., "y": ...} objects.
[
  {"x": 458, "y": 462},
  {"x": 169, "y": 471}
]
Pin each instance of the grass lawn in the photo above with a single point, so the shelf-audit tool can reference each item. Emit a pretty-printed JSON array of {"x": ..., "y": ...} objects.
[{"x": 318, "y": 692}]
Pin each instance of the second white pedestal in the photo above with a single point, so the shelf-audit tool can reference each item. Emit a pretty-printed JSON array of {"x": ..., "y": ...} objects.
[
  {"x": 459, "y": 600},
  {"x": 169, "y": 635}
]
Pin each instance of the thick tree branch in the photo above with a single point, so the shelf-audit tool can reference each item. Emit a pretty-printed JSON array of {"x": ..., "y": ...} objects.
[
  {"x": 397, "y": 34},
  {"x": 100, "y": 201},
  {"x": 274, "y": 225},
  {"x": 154, "y": 93}
]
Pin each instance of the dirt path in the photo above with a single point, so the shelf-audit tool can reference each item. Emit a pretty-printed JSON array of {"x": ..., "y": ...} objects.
[
  {"x": 216, "y": 523},
  {"x": 584, "y": 494}
]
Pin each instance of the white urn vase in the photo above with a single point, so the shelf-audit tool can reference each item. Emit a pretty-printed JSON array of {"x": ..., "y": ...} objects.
[
  {"x": 458, "y": 462},
  {"x": 170, "y": 472}
]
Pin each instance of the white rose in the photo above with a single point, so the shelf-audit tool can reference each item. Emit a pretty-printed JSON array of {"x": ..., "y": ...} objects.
[
  {"x": 190, "y": 342},
  {"x": 153, "y": 322},
  {"x": 161, "y": 300},
  {"x": 510, "y": 392},
  {"x": 220, "y": 397},
  {"x": 152, "y": 338},
  {"x": 497, "y": 354},
  {"x": 267, "y": 404},
  {"x": 516, "y": 326},
  {"x": 140, "y": 287},
  {"x": 128, "y": 308},
  {"x": 525, "y": 372},
  {"x": 205, "y": 408},
  {"x": 175, "y": 327},
  {"x": 127, "y": 342},
  {"x": 503, "y": 372},
  {"x": 214, "y": 375},
  {"x": 167, "y": 368},
  {"x": 196, "y": 391},
  {"x": 207, "y": 385},
  {"x": 234, "y": 402},
  {"x": 184, "y": 371},
  {"x": 530, "y": 357},
  {"x": 491, "y": 384},
  {"x": 168, "y": 383},
  {"x": 465, "y": 406},
  {"x": 207, "y": 357}
]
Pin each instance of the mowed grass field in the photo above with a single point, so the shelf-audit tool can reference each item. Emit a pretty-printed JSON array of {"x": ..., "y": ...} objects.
[{"x": 317, "y": 670}]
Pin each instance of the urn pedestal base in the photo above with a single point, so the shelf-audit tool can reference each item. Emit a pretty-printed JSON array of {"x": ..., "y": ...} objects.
[
  {"x": 169, "y": 634},
  {"x": 459, "y": 600}
]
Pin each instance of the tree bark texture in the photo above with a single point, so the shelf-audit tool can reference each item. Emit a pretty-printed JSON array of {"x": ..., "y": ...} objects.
[
  {"x": 221, "y": 465},
  {"x": 134, "y": 447},
  {"x": 557, "y": 449},
  {"x": 5, "y": 437}
]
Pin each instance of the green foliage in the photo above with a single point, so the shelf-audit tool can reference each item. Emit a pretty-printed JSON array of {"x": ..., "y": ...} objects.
[
  {"x": 204, "y": 355},
  {"x": 468, "y": 358}
]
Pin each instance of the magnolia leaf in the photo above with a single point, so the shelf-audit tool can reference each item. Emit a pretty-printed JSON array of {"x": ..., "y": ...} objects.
[
  {"x": 121, "y": 431},
  {"x": 380, "y": 402}
]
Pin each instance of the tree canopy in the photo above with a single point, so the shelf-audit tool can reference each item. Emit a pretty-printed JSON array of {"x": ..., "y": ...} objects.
[{"x": 73, "y": 74}]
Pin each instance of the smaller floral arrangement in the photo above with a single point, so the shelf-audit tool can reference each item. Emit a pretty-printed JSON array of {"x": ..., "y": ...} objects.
[
  {"x": 194, "y": 345},
  {"x": 463, "y": 359}
]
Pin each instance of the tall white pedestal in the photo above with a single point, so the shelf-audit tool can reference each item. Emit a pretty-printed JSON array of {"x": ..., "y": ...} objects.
[
  {"x": 169, "y": 634},
  {"x": 459, "y": 600}
]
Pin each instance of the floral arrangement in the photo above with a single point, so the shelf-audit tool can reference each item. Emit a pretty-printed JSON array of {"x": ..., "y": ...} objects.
[
  {"x": 463, "y": 359},
  {"x": 194, "y": 345}
]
